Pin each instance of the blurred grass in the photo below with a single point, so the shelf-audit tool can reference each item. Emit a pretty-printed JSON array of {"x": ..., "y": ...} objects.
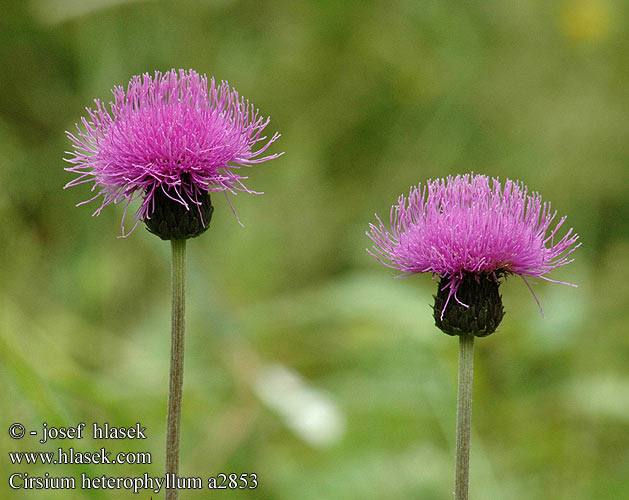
[{"x": 370, "y": 98}]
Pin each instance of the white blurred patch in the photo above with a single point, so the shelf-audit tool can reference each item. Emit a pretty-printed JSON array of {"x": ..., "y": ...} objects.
[
  {"x": 307, "y": 411},
  {"x": 604, "y": 395},
  {"x": 59, "y": 11}
]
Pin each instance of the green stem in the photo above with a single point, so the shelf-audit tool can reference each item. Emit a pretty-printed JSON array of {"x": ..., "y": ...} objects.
[
  {"x": 175, "y": 389},
  {"x": 464, "y": 416}
]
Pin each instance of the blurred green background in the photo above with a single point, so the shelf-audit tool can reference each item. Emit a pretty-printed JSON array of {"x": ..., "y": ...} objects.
[{"x": 307, "y": 363}]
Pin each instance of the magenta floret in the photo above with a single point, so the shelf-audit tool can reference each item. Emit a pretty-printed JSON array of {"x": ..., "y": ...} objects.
[
  {"x": 470, "y": 224},
  {"x": 171, "y": 132}
]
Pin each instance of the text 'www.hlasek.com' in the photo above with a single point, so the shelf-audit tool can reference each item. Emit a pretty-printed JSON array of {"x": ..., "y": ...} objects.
[{"x": 47, "y": 435}]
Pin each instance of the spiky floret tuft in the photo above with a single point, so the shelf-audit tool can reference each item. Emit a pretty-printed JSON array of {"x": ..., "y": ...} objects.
[
  {"x": 173, "y": 133},
  {"x": 471, "y": 225}
]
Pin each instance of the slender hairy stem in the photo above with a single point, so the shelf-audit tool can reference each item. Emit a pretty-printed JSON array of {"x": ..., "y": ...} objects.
[
  {"x": 175, "y": 390},
  {"x": 464, "y": 416}
]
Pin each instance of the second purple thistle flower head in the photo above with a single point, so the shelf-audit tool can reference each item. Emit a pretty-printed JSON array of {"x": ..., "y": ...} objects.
[
  {"x": 169, "y": 140},
  {"x": 470, "y": 231}
]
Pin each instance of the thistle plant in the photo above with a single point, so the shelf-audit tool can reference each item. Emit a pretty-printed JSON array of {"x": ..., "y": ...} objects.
[
  {"x": 169, "y": 140},
  {"x": 471, "y": 232}
]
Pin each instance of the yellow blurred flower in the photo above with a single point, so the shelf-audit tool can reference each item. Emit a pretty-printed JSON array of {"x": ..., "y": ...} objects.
[{"x": 586, "y": 20}]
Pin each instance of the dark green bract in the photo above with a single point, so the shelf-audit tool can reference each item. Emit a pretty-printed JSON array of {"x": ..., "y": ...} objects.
[
  {"x": 173, "y": 221},
  {"x": 483, "y": 314}
]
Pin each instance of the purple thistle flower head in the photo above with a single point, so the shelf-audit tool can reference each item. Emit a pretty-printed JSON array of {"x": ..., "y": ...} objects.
[
  {"x": 469, "y": 231},
  {"x": 168, "y": 137}
]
